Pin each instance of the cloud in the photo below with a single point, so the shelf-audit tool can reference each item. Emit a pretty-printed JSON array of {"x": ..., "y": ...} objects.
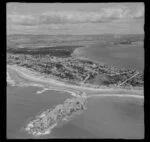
[
  {"x": 72, "y": 17},
  {"x": 139, "y": 13},
  {"x": 22, "y": 19}
]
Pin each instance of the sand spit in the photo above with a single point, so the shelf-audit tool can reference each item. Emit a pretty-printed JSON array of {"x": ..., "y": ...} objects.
[
  {"x": 49, "y": 119},
  {"x": 117, "y": 95},
  {"x": 51, "y": 83},
  {"x": 75, "y": 94},
  {"x": 76, "y": 91}
]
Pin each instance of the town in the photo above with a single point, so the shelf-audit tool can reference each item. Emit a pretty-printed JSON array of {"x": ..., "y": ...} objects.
[{"x": 78, "y": 71}]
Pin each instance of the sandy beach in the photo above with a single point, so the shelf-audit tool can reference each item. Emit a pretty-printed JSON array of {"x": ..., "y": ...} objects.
[{"x": 51, "y": 84}]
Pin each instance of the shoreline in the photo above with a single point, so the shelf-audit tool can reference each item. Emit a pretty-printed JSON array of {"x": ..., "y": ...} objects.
[
  {"x": 33, "y": 75},
  {"x": 40, "y": 127},
  {"x": 72, "y": 89}
]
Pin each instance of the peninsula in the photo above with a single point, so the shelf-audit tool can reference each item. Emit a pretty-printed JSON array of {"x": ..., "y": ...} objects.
[{"x": 57, "y": 68}]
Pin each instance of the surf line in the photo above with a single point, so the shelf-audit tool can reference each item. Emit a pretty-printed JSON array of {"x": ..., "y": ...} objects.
[
  {"x": 116, "y": 95},
  {"x": 10, "y": 80},
  {"x": 75, "y": 93}
]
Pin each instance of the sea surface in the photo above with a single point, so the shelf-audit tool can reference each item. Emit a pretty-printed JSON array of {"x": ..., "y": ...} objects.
[
  {"x": 105, "y": 117},
  {"x": 120, "y": 56},
  {"x": 23, "y": 104}
]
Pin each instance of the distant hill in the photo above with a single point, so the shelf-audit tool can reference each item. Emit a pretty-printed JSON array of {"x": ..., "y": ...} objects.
[{"x": 38, "y": 41}]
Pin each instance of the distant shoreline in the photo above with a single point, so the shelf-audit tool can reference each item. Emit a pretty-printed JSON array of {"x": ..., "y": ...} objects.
[{"x": 79, "y": 53}]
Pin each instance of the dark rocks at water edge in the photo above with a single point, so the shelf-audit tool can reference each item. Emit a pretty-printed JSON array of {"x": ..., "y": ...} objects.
[{"x": 49, "y": 119}]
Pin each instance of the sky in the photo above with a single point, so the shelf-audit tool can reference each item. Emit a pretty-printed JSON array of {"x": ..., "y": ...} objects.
[{"x": 75, "y": 18}]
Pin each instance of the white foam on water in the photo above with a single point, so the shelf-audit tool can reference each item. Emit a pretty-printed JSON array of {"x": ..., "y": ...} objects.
[
  {"x": 10, "y": 81},
  {"x": 117, "y": 95}
]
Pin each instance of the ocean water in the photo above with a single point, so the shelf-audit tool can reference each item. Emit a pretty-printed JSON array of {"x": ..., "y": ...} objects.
[
  {"x": 124, "y": 56},
  {"x": 107, "y": 117},
  {"x": 23, "y": 104}
]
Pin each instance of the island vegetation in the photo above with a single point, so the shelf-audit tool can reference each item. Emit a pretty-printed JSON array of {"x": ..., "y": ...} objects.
[{"x": 53, "y": 117}]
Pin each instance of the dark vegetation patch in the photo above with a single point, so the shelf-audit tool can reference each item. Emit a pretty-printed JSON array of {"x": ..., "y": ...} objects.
[{"x": 60, "y": 51}]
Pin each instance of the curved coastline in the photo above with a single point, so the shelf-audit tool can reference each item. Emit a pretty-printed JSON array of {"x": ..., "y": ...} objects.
[
  {"x": 55, "y": 84},
  {"x": 78, "y": 92}
]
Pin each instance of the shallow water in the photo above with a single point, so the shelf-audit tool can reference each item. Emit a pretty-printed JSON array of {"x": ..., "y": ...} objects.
[{"x": 121, "y": 57}]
